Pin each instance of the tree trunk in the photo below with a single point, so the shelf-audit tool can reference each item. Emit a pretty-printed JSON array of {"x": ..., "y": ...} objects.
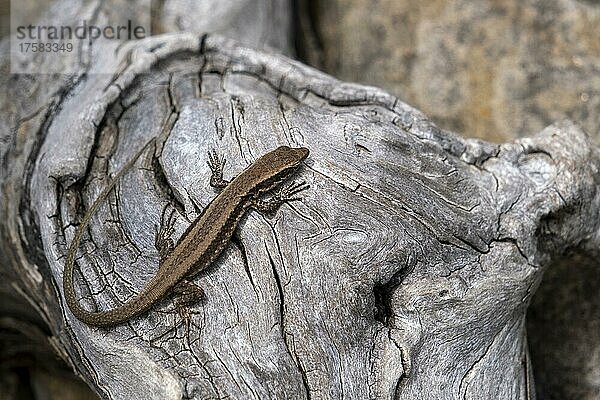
[{"x": 405, "y": 272}]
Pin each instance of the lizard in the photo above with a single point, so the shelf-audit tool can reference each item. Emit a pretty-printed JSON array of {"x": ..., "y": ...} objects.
[{"x": 205, "y": 238}]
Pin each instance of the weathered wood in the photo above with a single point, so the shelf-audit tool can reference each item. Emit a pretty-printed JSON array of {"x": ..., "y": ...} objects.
[
  {"x": 495, "y": 70},
  {"x": 405, "y": 272}
]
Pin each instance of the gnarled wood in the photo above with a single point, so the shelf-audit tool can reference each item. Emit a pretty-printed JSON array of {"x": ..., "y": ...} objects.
[{"x": 404, "y": 273}]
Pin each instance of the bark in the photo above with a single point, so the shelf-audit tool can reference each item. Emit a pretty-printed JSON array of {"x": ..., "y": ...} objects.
[
  {"x": 497, "y": 71},
  {"x": 405, "y": 272}
]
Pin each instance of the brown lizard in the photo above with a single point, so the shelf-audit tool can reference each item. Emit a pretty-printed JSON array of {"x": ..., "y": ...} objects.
[{"x": 203, "y": 241}]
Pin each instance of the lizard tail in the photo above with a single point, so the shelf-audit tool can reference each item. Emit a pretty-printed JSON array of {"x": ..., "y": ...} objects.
[{"x": 119, "y": 314}]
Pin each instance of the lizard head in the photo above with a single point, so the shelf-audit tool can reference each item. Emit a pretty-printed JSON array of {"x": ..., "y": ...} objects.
[
  {"x": 280, "y": 164},
  {"x": 285, "y": 157}
]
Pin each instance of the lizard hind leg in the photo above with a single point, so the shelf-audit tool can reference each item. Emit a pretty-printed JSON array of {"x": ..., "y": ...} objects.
[
  {"x": 186, "y": 294},
  {"x": 162, "y": 235}
]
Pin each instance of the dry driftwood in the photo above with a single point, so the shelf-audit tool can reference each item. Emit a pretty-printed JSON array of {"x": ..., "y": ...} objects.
[{"x": 404, "y": 273}]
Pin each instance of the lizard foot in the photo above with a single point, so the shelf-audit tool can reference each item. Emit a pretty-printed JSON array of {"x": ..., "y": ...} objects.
[
  {"x": 186, "y": 294},
  {"x": 289, "y": 192},
  {"x": 283, "y": 195},
  {"x": 162, "y": 236},
  {"x": 216, "y": 164}
]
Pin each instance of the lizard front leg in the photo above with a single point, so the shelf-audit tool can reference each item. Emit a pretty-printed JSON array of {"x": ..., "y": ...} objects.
[
  {"x": 216, "y": 164},
  {"x": 285, "y": 194}
]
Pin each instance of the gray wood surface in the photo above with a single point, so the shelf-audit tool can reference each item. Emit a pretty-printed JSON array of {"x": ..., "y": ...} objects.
[{"x": 405, "y": 272}]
